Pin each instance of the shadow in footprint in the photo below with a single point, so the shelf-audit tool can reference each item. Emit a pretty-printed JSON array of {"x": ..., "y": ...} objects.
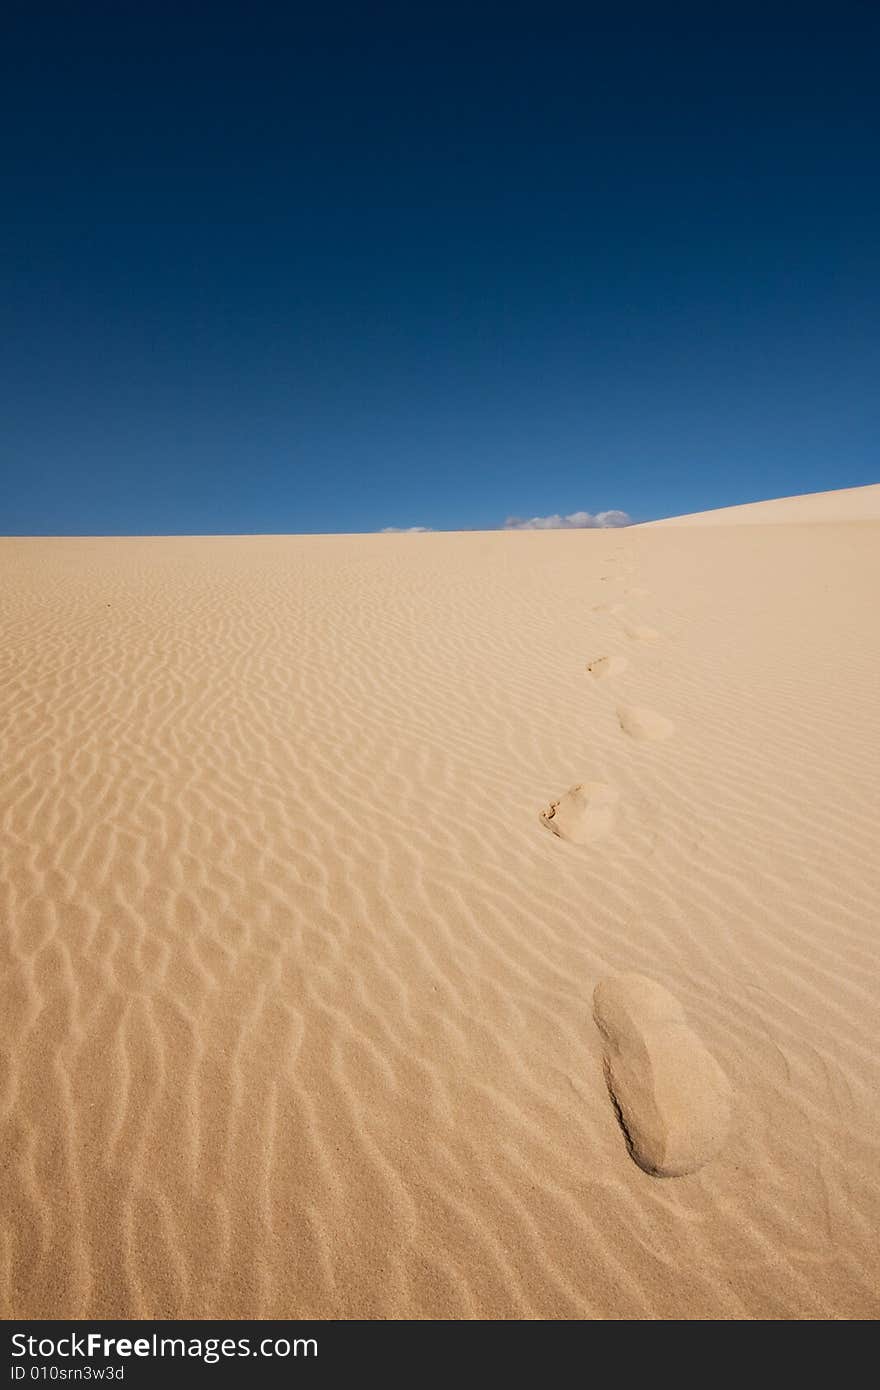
[
  {"x": 605, "y": 666},
  {"x": 672, "y": 1099}
]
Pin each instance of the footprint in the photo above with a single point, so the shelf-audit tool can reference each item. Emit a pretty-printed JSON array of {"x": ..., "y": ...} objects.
[
  {"x": 605, "y": 666},
  {"x": 671, "y": 1096},
  {"x": 644, "y": 724},
  {"x": 642, "y": 634},
  {"x": 585, "y": 813}
]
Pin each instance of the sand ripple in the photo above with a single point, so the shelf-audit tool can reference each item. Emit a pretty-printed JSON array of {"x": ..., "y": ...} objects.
[{"x": 297, "y": 993}]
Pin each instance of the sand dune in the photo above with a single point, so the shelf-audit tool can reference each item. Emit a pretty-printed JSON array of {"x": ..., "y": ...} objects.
[
  {"x": 847, "y": 504},
  {"x": 298, "y": 990}
]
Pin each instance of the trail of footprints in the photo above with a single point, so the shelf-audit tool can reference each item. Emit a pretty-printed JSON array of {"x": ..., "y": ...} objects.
[
  {"x": 671, "y": 1098},
  {"x": 585, "y": 812}
]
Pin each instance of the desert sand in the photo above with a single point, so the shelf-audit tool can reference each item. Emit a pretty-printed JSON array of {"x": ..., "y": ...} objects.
[
  {"x": 846, "y": 504},
  {"x": 319, "y": 855}
]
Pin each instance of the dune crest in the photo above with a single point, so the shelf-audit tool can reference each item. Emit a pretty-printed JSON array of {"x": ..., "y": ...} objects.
[{"x": 844, "y": 504}]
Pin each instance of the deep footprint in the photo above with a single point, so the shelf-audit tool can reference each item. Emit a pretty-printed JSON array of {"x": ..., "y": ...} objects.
[
  {"x": 584, "y": 814},
  {"x": 604, "y": 666},
  {"x": 672, "y": 1099},
  {"x": 644, "y": 724}
]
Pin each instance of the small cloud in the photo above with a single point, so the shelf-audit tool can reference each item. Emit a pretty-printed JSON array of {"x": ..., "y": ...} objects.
[
  {"x": 575, "y": 521},
  {"x": 405, "y": 530}
]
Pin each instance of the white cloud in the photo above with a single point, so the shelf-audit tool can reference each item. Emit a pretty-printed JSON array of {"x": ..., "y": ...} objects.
[{"x": 575, "y": 521}]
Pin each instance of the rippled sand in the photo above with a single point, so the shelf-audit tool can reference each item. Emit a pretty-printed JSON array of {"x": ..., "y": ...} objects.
[{"x": 298, "y": 988}]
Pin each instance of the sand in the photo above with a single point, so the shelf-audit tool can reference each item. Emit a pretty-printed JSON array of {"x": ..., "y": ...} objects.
[
  {"x": 298, "y": 990},
  {"x": 846, "y": 504},
  {"x": 671, "y": 1097}
]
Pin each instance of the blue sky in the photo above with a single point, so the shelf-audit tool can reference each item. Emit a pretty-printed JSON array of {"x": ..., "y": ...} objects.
[{"x": 256, "y": 277}]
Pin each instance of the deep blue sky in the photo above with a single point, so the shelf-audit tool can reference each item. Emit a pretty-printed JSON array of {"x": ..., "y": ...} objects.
[{"x": 259, "y": 278}]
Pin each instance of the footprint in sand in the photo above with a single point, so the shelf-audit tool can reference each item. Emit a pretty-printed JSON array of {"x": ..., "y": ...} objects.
[
  {"x": 604, "y": 666},
  {"x": 672, "y": 1098},
  {"x": 584, "y": 814},
  {"x": 642, "y": 634},
  {"x": 644, "y": 724}
]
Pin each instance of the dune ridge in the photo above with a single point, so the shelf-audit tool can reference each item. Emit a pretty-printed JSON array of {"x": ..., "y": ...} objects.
[
  {"x": 298, "y": 990},
  {"x": 845, "y": 504}
]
